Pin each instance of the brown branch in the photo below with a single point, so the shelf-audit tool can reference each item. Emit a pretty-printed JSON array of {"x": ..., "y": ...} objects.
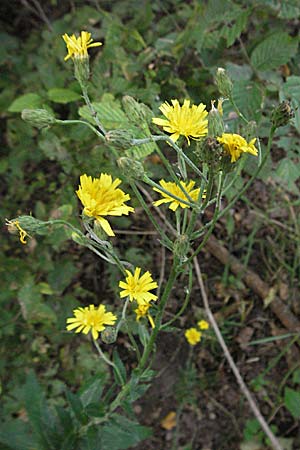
[
  {"x": 275, "y": 444},
  {"x": 278, "y": 307}
]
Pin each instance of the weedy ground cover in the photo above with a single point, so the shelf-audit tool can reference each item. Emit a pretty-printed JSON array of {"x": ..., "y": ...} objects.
[{"x": 151, "y": 190}]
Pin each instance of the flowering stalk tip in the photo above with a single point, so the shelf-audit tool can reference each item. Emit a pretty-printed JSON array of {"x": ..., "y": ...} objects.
[{"x": 90, "y": 319}]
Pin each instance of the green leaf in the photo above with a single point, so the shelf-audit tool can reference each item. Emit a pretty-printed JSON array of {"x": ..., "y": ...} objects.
[
  {"x": 16, "y": 435},
  {"x": 122, "y": 370},
  {"x": 26, "y": 101},
  {"x": 77, "y": 407},
  {"x": 247, "y": 95},
  {"x": 292, "y": 402},
  {"x": 122, "y": 433},
  {"x": 92, "y": 391},
  {"x": 109, "y": 112},
  {"x": 274, "y": 51},
  {"x": 59, "y": 95},
  {"x": 287, "y": 173}
]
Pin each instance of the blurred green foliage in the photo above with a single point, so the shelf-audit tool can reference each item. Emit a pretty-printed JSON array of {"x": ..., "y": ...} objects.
[{"x": 166, "y": 49}]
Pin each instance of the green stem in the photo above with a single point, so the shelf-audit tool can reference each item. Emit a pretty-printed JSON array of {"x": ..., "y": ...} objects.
[
  {"x": 92, "y": 109},
  {"x": 213, "y": 221},
  {"x": 71, "y": 122},
  {"x": 189, "y": 203},
  {"x": 108, "y": 361},
  {"x": 165, "y": 238},
  {"x": 235, "y": 107},
  {"x": 185, "y": 303},
  {"x": 158, "y": 319},
  {"x": 130, "y": 335}
]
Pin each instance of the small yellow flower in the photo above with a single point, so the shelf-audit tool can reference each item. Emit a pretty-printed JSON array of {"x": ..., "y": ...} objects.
[
  {"x": 203, "y": 325},
  {"x": 77, "y": 47},
  {"x": 100, "y": 197},
  {"x": 185, "y": 120},
  {"x": 137, "y": 288},
  {"x": 174, "y": 189},
  {"x": 234, "y": 145},
  {"x": 14, "y": 226},
  {"x": 91, "y": 319},
  {"x": 193, "y": 336},
  {"x": 142, "y": 311}
]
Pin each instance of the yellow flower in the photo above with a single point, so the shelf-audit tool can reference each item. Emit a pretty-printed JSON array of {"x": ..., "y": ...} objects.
[
  {"x": 185, "y": 120},
  {"x": 137, "y": 288},
  {"x": 142, "y": 311},
  {"x": 14, "y": 226},
  {"x": 234, "y": 145},
  {"x": 193, "y": 336},
  {"x": 77, "y": 47},
  {"x": 100, "y": 197},
  {"x": 203, "y": 325},
  {"x": 91, "y": 319},
  {"x": 174, "y": 189}
]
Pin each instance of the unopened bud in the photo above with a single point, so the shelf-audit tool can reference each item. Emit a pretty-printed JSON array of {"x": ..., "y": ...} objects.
[
  {"x": 109, "y": 335},
  {"x": 215, "y": 122},
  {"x": 82, "y": 70},
  {"x": 131, "y": 168},
  {"x": 223, "y": 83},
  {"x": 181, "y": 247},
  {"x": 282, "y": 114},
  {"x": 119, "y": 138},
  {"x": 32, "y": 225},
  {"x": 135, "y": 111},
  {"x": 39, "y": 118}
]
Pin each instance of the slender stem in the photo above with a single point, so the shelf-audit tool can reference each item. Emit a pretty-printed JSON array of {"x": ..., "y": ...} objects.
[
  {"x": 185, "y": 303},
  {"x": 188, "y": 202},
  {"x": 167, "y": 241},
  {"x": 158, "y": 319},
  {"x": 108, "y": 361},
  {"x": 276, "y": 445},
  {"x": 213, "y": 221},
  {"x": 235, "y": 107},
  {"x": 165, "y": 138},
  {"x": 130, "y": 335},
  {"x": 71, "y": 122},
  {"x": 92, "y": 109}
]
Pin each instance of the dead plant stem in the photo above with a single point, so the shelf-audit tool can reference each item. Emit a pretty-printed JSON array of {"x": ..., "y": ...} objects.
[{"x": 274, "y": 442}]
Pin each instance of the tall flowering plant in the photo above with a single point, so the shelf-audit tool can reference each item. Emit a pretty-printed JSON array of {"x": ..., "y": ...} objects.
[{"x": 207, "y": 152}]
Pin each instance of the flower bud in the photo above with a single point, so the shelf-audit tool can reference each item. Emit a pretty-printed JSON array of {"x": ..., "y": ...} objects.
[
  {"x": 223, "y": 83},
  {"x": 131, "y": 168},
  {"x": 109, "y": 335},
  {"x": 282, "y": 114},
  {"x": 31, "y": 224},
  {"x": 39, "y": 118},
  {"x": 181, "y": 247},
  {"x": 215, "y": 122},
  {"x": 82, "y": 70},
  {"x": 80, "y": 239},
  {"x": 135, "y": 111},
  {"x": 119, "y": 138}
]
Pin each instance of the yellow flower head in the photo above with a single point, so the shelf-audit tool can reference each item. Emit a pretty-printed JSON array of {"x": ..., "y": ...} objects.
[
  {"x": 174, "y": 189},
  {"x": 203, "y": 325},
  {"x": 193, "y": 336},
  {"x": 185, "y": 120},
  {"x": 100, "y": 197},
  {"x": 77, "y": 47},
  {"x": 234, "y": 145},
  {"x": 142, "y": 311},
  {"x": 91, "y": 319},
  {"x": 137, "y": 288},
  {"x": 14, "y": 226}
]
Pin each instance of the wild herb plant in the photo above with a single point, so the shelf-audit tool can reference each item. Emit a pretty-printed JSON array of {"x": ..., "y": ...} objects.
[{"x": 210, "y": 156}]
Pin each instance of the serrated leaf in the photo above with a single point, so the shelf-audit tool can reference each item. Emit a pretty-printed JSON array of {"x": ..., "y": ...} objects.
[
  {"x": 60, "y": 95},
  {"x": 292, "y": 402},
  {"x": 26, "y": 101},
  {"x": 77, "y": 407},
  {"x": 248, "y": 97},
  {"x": 122, "y": 433},
  {"x": 92, "y": 391},
  {"x": 274, "y": 51},
  {"x": 16, "y": 435},
  {"x": 231, "y": 33}
]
